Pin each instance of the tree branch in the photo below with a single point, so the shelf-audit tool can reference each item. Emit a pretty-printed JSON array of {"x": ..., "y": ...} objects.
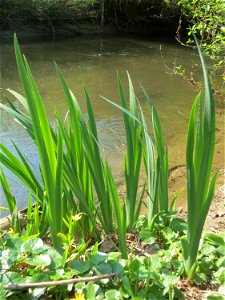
[{"x": 57, "y": 283}]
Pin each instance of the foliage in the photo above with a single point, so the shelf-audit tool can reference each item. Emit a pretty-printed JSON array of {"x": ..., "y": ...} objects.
[
  {"x": 51, "y": 160},
  {"x": 158, "y": 185},
  {"x": 155, "y": 157},
  {"x": 132, "y": 160},
  {"x": 81, "y": 166},
  {"x": 199, "y": 156},
  {"x": 78, "y": 197},
  {"x": 15, "y": 12},
  {"x": 207, "y": 20},
  {"x": 77, "y": 164},
  {"x": 117, "y": 12},
  {"x": 141, "y": 276},
  {"x": 11, "y": 203},
  {"x": 85, "y": 160}
]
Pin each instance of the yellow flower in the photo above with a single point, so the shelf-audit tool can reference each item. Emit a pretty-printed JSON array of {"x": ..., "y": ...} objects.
[
  {"x": 79, "y": 296},
  {"x": 3, "y": 208},
  {"x": 77, "y": 217},
  {"x": 10, "y": 230}
]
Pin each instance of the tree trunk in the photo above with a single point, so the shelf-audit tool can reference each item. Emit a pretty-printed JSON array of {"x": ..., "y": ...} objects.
[{"x": 102, "y": 12}]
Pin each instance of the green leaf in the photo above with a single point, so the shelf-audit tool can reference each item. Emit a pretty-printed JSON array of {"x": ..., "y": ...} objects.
[
  {"x": 56, "y": 258},
  {"x": 143, "y": 273},
  {"x": 147, "y": 236},
  {"x": 34, "y": 246},
  {"x": 11, "y": 278},
  {"x": 14, "y": 243},
  {"x": 178, "y": 225},
  {"x": 8, "y": 257},
  {"x": 207, "y": 249},
  {"x": 104, "y": 268},
  {"x": 39, "y": 260},
  {"x": 178, "y": 266},
  {"x": 221, "y": 289},
  {"x": 113, "y": 255},
  {"x": 178, "y": 294},
  {"x": 80, "y": 267},
  {"x": 41, "y": 277},
  {"x": 37, "y": 293},
  {"x": 58, "y": 274},
  {"x": 221, "y": 250},
  {"x": 90, "y": 291},
  {"x": 134, "y": 269},
  {"x": 80, "y": 287},
  {"x": 155, "y": 263},
  {"x": 205, "y": 266},
  {"x": 219, "y": 275},
  {"x": 2, "y": 293},
  {"x": 117, "y": 268},
  {"x": 98, "y": 258},
  {"x": 221, "y": 262},
  {"x": 112, "y": 295},
  {"x": 214, "y": 238},
  {"x": 127, "y": 286}
]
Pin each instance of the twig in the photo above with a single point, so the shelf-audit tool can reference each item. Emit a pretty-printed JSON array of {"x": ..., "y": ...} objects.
[
  {"x": 142, "y": 252},
  {"x": 59, "y": 282},
  {"x": 211, "y": 292},
  {"x": 178, "y": 35},
  {"x": 185, "y": 45}
]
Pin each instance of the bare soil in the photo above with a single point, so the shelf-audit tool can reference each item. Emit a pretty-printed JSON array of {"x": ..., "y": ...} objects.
[{"x": 215, "y": 221}]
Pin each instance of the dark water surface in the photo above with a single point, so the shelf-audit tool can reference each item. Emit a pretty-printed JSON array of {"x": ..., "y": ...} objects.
[{"x": 94, "y": 62}]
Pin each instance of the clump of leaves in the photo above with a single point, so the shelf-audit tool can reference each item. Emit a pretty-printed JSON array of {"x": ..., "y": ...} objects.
[
  {"x": 153, "y": 272},
  {"x": 207, "y": 19}
]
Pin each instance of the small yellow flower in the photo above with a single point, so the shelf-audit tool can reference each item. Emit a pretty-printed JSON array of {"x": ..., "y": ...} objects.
[
  {"x": 77, "y": 217},
  {"x": 79, "y": 296},
  {"x": 3, "y": 208},
  {"x": 10, "y": 230}
]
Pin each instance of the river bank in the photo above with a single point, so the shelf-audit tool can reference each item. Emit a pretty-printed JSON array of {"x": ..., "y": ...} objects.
[
  {"x": 71, "y": 18},
  {"x": 65, "y": 31}
]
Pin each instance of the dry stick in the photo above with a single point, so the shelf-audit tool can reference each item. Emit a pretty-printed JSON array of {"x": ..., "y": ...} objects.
[
  {"x": 59, "y": 282},
  {"x": 185, "y": 45},
  {"x": 178, "y": 35}
]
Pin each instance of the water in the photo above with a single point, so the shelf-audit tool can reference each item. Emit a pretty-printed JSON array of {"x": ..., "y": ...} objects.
[{"x": 94, "y": 62}]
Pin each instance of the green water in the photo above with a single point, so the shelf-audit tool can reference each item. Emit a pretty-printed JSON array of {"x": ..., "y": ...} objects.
[{"x": 94, "y": 62}]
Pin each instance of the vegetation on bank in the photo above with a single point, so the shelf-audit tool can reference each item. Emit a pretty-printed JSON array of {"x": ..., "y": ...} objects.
[
  {"x": 153, "y": 270},
  {"x": 118, "y": 12},
  {"x": 207, "y": 20},
  {"x": 178, "y": 18},
  {"x": 77, "y": 208}
]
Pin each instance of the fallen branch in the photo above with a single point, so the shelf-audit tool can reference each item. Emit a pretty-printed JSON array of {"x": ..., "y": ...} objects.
[
  {"x": 5, "y": 222},
  {"x": 57, "y": 283}
]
